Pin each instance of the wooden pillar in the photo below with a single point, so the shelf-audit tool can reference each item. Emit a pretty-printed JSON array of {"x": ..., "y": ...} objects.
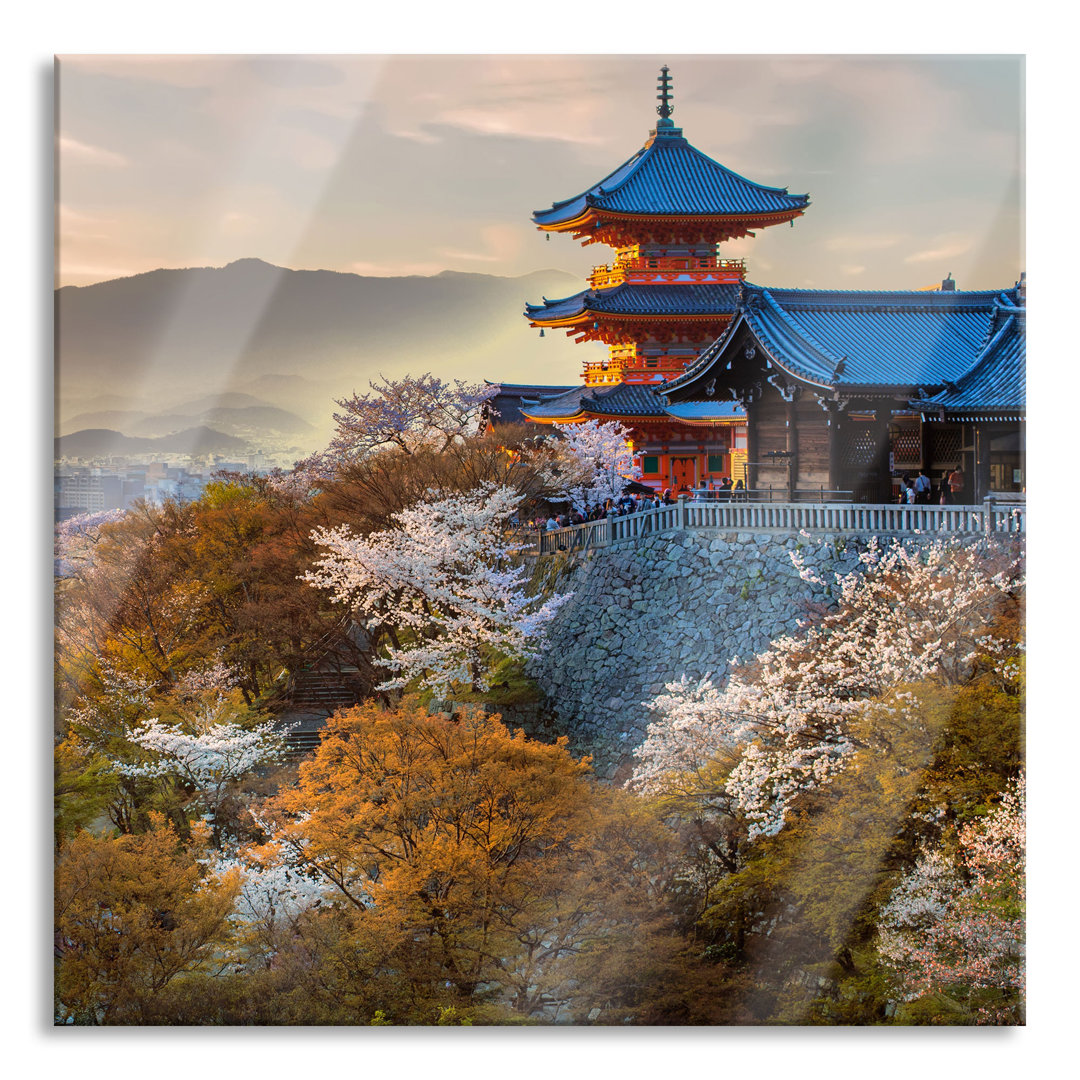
[
  {"x": 792, "y": 448},
  {"x": 881, "y": 451},
  {"x": 751, "y": 442},
  {"x": 982, "y": 434},
  {"x": 835, "y": 449}
]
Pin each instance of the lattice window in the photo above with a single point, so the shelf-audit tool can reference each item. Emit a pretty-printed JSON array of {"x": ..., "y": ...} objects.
[
  {"x": 946, "y": 443},
  {"x": 860, "y": 447},
  {"x": 906, "y": 445}
]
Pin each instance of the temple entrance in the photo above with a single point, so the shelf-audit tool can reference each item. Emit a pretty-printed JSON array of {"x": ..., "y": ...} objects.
[{"x": 683, "y": 473}]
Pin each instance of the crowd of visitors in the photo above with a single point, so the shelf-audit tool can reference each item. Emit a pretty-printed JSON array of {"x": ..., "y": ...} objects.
[
  {"x": 922, "y": 490},
  {"x": 635, "y": 504},
  {"x": 628, "y": 504}
]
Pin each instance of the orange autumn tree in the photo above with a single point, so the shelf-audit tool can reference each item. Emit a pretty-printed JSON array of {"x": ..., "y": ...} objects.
[
  {"x": 480, "y": 866},
  {"x": 132, "y": 914}
]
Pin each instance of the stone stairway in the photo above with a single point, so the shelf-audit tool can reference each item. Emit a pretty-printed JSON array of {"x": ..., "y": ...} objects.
[
  {"x": 325, "y": 690},
  {"x": 301, "y": 743}
]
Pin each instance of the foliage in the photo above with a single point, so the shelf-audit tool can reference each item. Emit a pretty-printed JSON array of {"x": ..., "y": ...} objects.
[
  {"x": 812, "y": 779},
  {"x": 173, "y": 587},
  {"x": 477, "y": 860},
  {"x": 132, "y": 913},
  {"x": 954, "y": 925},
  {"x": 177, "y": 750},
  {"x": 914, "y": 613},
  {"x": 445, "y": 574},
  {"x": 404, "y": 415},
  {"x": 83, "y": 786},
  {"x": 76, "y": 537},
  {"x": 593, "y": 462}
]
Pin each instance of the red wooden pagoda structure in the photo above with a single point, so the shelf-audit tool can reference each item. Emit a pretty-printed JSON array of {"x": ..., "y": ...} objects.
[{"x": 666, "y": 296}]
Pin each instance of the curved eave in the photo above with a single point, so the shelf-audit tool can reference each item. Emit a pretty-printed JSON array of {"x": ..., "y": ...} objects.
[
  {"x": 709, "y": 357},
  {"x": 590, "y": 315},
  {"x": 624, "y": 418},
  {"x": 569, "y": 418},
  {"x": 597, "y": 216},
  {"x": 705, "y": 421}
]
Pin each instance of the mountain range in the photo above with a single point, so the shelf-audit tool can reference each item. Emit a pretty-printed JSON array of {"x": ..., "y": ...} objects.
[
  {"x": 95, "y": 443},
  {"x": 259, "y": 352}
]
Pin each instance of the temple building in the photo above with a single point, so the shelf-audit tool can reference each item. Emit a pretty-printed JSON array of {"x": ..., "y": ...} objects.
[
  {"x": 665, "y": 297},
  {"x": 846, "y": 391},
  {"x": 800, "y": 394}
]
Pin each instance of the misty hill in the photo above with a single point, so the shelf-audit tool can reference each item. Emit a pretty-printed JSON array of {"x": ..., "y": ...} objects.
[
  {"x": 225, "y": 400},
  {"x": 252, "y": 327},
  {"x": 99, "y": 442},
  {"x": 263, "y": 419}
]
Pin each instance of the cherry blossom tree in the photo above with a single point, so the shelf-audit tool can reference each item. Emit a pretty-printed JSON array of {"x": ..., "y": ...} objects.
[
  {"x": 275, "y": 889},
  {"x": 955, "y": 923},
  {"x": 783, "y": 723},
  {"x": 445, "y": 575},
  {"x": 212, "y": 744},
  {"x": 397, "y": 414},
  {"x": 75, "y": 538},
  {"x": 593, "y": 462}
]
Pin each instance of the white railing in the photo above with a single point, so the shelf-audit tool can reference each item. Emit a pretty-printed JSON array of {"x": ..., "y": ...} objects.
[{"x": 876, "y": 519}]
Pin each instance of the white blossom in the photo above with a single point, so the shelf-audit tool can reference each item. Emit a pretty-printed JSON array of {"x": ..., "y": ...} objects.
[
  {"x": 593, "y": 462},
  {"x": 956, "y": 921},
  {"x": 913, "y": 613},
  {"x": 446, "y": 576}
]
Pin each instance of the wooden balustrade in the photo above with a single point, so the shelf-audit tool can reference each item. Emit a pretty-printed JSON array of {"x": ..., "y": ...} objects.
[{"x": 867, "y": 519}]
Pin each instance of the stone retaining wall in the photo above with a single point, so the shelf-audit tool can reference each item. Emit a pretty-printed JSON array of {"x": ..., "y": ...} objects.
[{"x": 676, "y": 603}]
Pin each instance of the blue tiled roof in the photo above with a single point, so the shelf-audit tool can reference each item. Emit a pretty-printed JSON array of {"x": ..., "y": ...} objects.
[
  {"x": 552, "y": 408},
  {"x": 626, "y": 399},
  {"x": 705, "y": 410},
  {"x": 669, "y": 176},
  {"x": 507, "y": 403},
  {"x": 623, "y": 399},
  {"x": 996, "y": 387},
  {"x": 713, "y": 299},
  {"x": 866, "y": 339}
]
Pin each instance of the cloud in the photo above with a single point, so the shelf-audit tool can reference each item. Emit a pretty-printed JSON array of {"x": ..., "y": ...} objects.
[
  {"x": 863, "y": 242},
  {"x": 948, "y": 248},
  {"x": 68, "y": 273},
  {"x": 852, "y": 271},
  {"x": 486, "y": 122},
  {"x": 469, "y": 256},
  {"x": 84, "y": 154},
  {"x": 417, "y": 136}
]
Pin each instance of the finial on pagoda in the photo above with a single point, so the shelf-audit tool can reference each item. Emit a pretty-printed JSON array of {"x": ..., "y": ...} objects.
[{"x": 665, "y": 108}]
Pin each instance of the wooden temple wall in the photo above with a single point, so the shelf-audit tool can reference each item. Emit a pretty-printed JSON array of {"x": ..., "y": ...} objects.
[{"x": 812, "y": 433}]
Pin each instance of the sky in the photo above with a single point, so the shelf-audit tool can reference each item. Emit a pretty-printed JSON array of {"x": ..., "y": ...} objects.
[{"x": 415, "y": 164}]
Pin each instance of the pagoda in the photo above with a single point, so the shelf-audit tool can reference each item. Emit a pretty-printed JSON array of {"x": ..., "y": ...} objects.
[{"x": 667, "y": 295}]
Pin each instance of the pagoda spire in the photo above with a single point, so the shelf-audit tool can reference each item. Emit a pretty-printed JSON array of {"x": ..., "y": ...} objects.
[{"x": 665, "y": 108}]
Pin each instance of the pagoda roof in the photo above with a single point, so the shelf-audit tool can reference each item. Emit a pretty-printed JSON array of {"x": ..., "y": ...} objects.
[
  {"x": 560, "y": 407},
  {"x": 701, "y": 412},
  {"x": 629, "y": 400},
  {"x": 996, "y": 387},
  {"x": 624, "y": 399},
  {"x": 668, "y": 176},
  {"x": 871, "y": 340},
  {"x": 620, "y": 400},
  {"x": 641, "y": 300},
  {"x": 506, "y": 403}
]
